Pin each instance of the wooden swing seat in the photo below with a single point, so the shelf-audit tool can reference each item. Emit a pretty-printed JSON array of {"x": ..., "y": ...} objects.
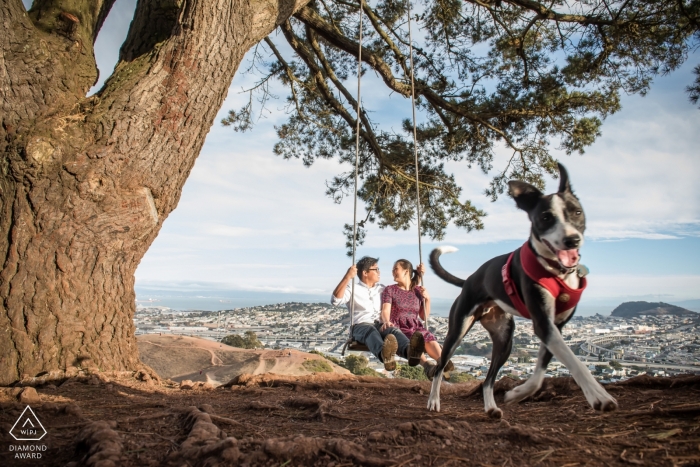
[{"x": 354, "y": 345}]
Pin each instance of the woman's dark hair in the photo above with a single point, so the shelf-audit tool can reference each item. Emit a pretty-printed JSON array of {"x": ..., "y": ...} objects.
[
  {"x": 364, "y": 264},
  {"x": 415, "y": 277}
]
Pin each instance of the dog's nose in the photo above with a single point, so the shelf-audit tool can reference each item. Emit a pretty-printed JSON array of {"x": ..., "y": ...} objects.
[{"x": 572, "y": 241}]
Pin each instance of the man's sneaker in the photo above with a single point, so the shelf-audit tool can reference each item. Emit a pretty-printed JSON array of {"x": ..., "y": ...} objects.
[
  {"x": 416, "y": 348},
  {"x": 389, "y": 349}
]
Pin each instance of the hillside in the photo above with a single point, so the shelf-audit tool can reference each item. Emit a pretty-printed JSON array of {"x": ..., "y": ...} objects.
[
  {"x": 127, "y": 419},
  {"x": 182, "y": 358},
  {"x": 634, "y": 309}
]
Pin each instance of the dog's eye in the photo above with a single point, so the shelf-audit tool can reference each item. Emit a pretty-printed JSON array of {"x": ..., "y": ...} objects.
[
  {"x": 579, "y": 212},
  {"x": 546, "y": 217}
]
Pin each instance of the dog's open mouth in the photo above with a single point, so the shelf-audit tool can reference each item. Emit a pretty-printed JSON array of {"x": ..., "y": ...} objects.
[{"x": 567, "y": 258}]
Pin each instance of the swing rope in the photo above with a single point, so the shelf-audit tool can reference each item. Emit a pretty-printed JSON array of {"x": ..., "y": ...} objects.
[
  {"x": 415, "y": 148},
  {"x": 357, "y": 170},
  {"x": 357, "y": 162},
  {"x": 415, "y": 136}
]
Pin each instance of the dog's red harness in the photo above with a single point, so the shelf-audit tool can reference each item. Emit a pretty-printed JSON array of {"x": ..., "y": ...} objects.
[{"x": 566, "y": 298}]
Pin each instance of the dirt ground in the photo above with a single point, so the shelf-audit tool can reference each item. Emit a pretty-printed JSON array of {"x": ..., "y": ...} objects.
[{"x": 337, "y": 420}]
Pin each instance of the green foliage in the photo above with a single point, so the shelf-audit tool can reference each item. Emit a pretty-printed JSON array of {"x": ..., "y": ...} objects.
[
  {"x": 615, "y": 364},
  {"x": 694, "y": 89},
  {"x": 366, "y": 371},
  {"x": 317, "y": 366},
  {"x": 461, "y": 377},
  {"x": 411, "y": 372},
  {"x": 248, "y": 341},
  {"x": 521, "y": 356},
  {"x": 474, "y": 349},
  {"x": 356, "y": 363},
  {"x": 529, "y": 77},
  {"x": 330, "y": 358}
]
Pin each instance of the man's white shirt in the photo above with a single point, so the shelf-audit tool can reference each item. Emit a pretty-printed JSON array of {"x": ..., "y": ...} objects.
[{"x": 368, "y": 302}]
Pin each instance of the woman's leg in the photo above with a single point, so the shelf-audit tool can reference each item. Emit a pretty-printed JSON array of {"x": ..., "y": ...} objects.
[{"x": 433, "y": 349}]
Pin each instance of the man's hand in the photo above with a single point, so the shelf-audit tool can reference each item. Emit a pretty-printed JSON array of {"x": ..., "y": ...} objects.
[
  {"x": 386, "y": 326},
  {"x": 339, "y": 290}
]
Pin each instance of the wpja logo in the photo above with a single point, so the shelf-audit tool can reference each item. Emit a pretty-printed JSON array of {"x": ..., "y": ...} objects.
[{"x": 28, "y": 428}]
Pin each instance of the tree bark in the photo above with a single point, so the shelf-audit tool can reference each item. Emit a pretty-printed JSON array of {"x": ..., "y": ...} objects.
[{"x": 86, "y": 183}]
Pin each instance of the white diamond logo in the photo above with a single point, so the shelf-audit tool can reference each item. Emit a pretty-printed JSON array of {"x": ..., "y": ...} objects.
[{"x": 28, "y": 427}]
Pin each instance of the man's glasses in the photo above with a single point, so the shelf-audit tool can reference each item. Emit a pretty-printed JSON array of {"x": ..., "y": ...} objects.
[{"x": 374, "y": 269}]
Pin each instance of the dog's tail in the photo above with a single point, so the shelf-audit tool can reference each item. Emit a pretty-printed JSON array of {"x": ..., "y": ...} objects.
[{"x": 439, "y": 270}]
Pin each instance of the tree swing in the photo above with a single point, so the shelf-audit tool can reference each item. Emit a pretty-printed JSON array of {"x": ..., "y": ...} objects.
[{"x": 350, "y": 343}]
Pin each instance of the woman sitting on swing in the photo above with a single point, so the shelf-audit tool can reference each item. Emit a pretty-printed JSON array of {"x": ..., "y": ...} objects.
[{"x": 404, "y": 305}]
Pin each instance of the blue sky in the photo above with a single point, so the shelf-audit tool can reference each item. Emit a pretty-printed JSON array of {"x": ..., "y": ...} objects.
[{"x": 252, "y": 224}]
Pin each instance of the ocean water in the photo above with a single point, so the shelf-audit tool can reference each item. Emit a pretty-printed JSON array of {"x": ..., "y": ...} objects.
[
  {"x": 215, "y": 300},
  {"x": 220, "y": 299}
]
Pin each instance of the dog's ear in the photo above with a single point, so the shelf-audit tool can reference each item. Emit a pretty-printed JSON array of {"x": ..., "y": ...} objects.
[
  {"x": 525, "y": 195},
  {"x": 564, "y": 185}
]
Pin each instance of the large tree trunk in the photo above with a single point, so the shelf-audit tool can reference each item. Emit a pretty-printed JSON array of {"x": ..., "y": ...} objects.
[{"x": 86, "y": 183}]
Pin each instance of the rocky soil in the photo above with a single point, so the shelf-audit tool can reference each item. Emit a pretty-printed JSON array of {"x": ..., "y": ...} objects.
[
  {"x": 189, "y": 358},
  {"x": 329, "y": 419}
]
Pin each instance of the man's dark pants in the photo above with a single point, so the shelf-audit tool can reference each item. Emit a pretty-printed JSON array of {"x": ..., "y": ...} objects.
[{"x": 373, "y": 338}]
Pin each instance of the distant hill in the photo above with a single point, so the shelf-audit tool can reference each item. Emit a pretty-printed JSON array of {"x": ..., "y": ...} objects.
[{"x": 634, "y": 309}]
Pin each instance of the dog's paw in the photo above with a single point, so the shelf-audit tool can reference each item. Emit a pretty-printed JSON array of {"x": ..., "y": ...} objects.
[
  {"x": 599, "y": 399},
  {"x": 520, "y": 393},
  {"x": 607, "y": 404},
  {"x": 495, "y": 412},
  {"x": 433, "y": 404}
]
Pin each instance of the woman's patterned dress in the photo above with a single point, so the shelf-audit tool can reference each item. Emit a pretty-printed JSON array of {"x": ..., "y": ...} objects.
[{"x": 405, "y": 308}]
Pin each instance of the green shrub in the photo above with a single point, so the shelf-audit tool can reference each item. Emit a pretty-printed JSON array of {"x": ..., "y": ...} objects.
[
  {"x": 330, "y": 358},
  {"x": 317, "y": 366},
  {"x": 247, "y": 341},
  {"x": 356, "y": 363},
  {"x": 461, "y": 377},
  {"x": 367, "y": 371},
  {"x": 411, "y": 372},
  {"x": 615, "y": 364}
]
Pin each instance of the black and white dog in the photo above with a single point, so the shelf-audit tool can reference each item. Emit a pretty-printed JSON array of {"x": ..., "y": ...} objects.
[{"x": 541, "y": 280}]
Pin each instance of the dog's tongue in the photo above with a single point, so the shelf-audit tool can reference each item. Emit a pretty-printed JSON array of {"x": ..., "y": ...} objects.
[{"x": 568, "y": 258}]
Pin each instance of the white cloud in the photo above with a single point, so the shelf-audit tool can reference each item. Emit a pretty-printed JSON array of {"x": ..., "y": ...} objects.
[{"x": 229, "y": 231}]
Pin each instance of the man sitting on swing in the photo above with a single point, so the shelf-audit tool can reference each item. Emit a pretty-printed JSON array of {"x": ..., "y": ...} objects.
[{"x": 385, "y": 343}]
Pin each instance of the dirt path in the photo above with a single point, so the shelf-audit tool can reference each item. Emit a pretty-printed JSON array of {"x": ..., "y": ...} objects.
[{"x": 215, "y": 361}]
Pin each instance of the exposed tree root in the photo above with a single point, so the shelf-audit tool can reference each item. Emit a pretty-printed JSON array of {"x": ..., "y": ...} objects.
[
  {"x": 206, "y": 444},
  {"x": 98, "y": 445}
]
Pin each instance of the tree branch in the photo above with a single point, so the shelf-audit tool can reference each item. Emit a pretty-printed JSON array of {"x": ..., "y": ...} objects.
[
  {"x": 80, "y": 17},
  {"x": 548, "y": 13},
  {"x": 310, "y": 17},
  {"x": 297, "y": 44}
]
